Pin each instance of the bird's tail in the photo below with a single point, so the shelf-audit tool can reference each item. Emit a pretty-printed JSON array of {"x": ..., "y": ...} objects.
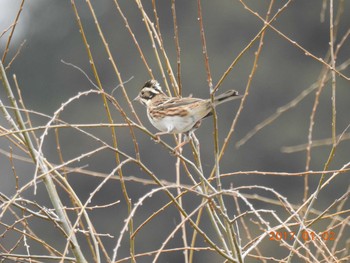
[{"x": 227, "y": 96}]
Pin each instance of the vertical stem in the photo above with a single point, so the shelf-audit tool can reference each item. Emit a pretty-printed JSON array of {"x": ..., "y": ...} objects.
[
  {"x": 331, "y": 43},
  {"x": 177, "y": 44},
  {"x": 204, "y": 45},
  {"x": 12, "y": 31},
  {"x": 183, "y": 226},
  {"x": 178, "y": 160}
]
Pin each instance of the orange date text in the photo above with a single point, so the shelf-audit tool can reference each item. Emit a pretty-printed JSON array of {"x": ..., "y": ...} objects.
[{"x": 305, "y": 235}]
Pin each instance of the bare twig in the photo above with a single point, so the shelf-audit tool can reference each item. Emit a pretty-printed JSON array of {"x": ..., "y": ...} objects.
[{"x": 13, "y": 27}]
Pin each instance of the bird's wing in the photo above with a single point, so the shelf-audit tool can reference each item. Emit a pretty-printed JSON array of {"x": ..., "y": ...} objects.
[{"x": 168, "y": 103}]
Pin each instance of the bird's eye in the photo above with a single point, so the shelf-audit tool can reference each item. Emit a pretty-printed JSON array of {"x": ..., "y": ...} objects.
[{"x": 142, "y": 93}]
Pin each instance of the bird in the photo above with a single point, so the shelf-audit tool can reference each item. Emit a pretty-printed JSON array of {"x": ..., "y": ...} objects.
[{"x": 174, "y": 115}]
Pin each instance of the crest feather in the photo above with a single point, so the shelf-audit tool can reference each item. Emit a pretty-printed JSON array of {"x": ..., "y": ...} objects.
[{"x": 152, "y": 83}]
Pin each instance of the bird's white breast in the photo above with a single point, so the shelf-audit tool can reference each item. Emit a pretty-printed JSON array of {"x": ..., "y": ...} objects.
[{"x": 173, "y": 124}]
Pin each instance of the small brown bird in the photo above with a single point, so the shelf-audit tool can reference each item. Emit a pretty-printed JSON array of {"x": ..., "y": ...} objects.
[{"x": 176, "y": 114}]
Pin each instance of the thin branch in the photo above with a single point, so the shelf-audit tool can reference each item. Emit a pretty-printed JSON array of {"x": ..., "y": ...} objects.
[{"x": 13, "y": 27}]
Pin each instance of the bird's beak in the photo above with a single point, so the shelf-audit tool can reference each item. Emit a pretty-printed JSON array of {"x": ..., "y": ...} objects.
[{"x": 137, "y": 98}]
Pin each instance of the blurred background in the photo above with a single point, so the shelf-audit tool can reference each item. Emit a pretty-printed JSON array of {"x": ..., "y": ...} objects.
[{"x": 51, "y": 34}]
